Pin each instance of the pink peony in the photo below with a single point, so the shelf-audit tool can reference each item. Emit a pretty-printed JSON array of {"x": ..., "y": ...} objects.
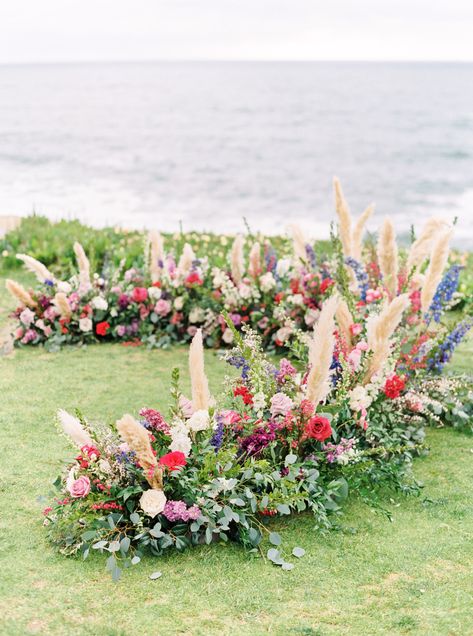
[
  {"x": 281, "y": 404},
  {"x": 27, "y": 317},
  {"x": 230, "y": 417},
  {"x": 80, "y": 487},
  {"x": 139, "y": 294},
  {"x": 163, "y": 307}
]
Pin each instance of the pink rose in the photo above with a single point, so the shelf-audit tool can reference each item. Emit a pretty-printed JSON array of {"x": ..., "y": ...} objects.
[
  {"x": 19, "y": 333},
  {"x": 281, "y": 404},
  {"x": 163, "y": 307},
  {"x": 80, "y": 487},
  {"x": 139, "y": 294},
  {"x": 50, "y": 313},
  {"x": 355, "y": 329},
  {"x": 230, "y": 417},
  {"x": 354, "y": 359}
]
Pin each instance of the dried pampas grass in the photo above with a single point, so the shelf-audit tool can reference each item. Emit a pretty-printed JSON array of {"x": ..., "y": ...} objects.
[
  {"x": 344, "y": 218},
  {"x": 73, "y": 428},
  {"x": 237, "y": 263},
  {"x": 254, "y": 265},
  {"x": 199, "y": 382},
  {"x": 156, "y": 255},
  {"x": 62, "y": 305},
  {"x": 186, "y": 260},
  {"x": 298, "y": 243},
  {"x": 358, "y": 230},
  {"x": 388, "y": 257},
  {"x": 20, "y": 293},
  {"x": 137, "y": 438},
  {"x": 321, "y": 352},
  {"x": 344, "y": 320},
  {"x": 84, "y": 269},
  {"x": 433, "y": 274},
  {"x": 422, "y": 246},
  {"x": 380, "y": 328},
  {"x": 41, "y": 272}
]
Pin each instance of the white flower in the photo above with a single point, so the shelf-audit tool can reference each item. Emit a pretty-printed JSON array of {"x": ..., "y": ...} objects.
[
  {"x": 197, "y": 314},
  {"x": 114, "y": 312},
  {"x": 99, "y": 303},
  {"x": 283, "y": 334},
  {"x": 152, "y": 502},
  {"x": 267, "y": 282},
  {"x": 154, "y": 293},
  {"x": 245, "y": 291},
  {"x": 296, "y": 299},
  {"x": 227, "y": 336},
  {"x": 259, "y": 401},
  {"x": 199, "y": 421},
  {"x": 180, "y": 438},
  {"x": 359, "y": 398},
  {"x": 219, "y": 277},
  {"x": 283, "y": 266},
  {"x": 64, "y": 287},
  {"x": 311, "y": 316},
  {"x": 179, "y": 303},
  {"x": 85, "y": 324}
]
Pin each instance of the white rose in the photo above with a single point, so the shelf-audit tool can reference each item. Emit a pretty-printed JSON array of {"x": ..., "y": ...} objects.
[
  {"x": 267, "y": 282},
  {"x": 154, "y": 293},
  {"x": 296, "y": 299},
  {"x": 99, "y": 303},
  {"x": 199, "y": 421},
  {"x": 197, "y": 314},
  {"x": 152, "y": 502},
  {"x": 179, "y": 303},
  {"x": 64, "y": 287},
  {"x": 283, "y": 334},
  {"x": 259, "y": 401},
  {"x": 227, "y": 336},
  {"x": 85, "y": 324}
]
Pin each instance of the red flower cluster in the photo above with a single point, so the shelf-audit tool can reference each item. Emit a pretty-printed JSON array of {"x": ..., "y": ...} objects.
[
  {"x": 394, "y": 387},
  {"x": 244, "y": 393},
  {"x": 318, "y": 428},
  {"x": 101, "y": 328},
  {"x": 194, "y": 279},
  {"x": 173, "y": 461},
  {"x": 107, "y": 505}
]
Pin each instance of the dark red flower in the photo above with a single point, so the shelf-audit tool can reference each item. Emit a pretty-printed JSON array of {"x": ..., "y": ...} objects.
[
  {"x": 173, "y": 461},
  {"x": 139, "y": 294},
  {"x": 101, "y": 328},
  {"x": 394, "y": 387},
  {"x": 318, "y": 428}
]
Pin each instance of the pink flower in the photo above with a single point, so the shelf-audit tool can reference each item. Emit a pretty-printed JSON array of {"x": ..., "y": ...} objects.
[
  {"x": 19, "y": 333},
  {"x": 139, "y": 294},
  {"x": 50, "y": 313},
  {"x": 281, "y": 404},
  {"x": 27, "y": 317},
  {"x": 192, "y": 330},
  {"x": 230, "y": 417},
  {"x": 80, "y": 487},
  {"x": 186, "y": 406},
  {"x": 372, "y": 295},
  {"x": 354, "y": 359},
  {"x": 263, "y": 323},
  {"x": 163, "y": 307},
  {"x": 355, "y": 329},
  {"x": 47, "y": 331},
  {"x": 362, "y": 346}
]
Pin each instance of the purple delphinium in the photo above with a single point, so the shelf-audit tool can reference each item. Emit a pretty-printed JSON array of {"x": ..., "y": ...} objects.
[
  {"x": 270, "y": 259},
  {"x": 155, "y": 421},
  {"x": 311, "y": 258},
  {"x": 361, "y": 276},
  {"x": 178, "y": 511},
  {"x": 444, "y": 293},
  {"x": 239, "y": 362},
  {"x": 444, "y": 352},
  {"x": 217, "y": 438},
  {"x": 125, "y": 457}
]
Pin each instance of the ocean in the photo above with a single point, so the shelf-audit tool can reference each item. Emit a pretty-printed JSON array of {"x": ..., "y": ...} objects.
[{"x": 207, "y": 144}]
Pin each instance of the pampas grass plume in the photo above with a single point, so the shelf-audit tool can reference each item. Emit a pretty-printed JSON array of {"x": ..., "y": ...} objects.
[
  {"x": 62, "y": 305},
  {"x": 298, "y": 243},
  {"x": 84, "y": 269},
  {"x": 156, "y": 255},
  {"x": 422, "y": 246},
  {"x": 20, "y": 293},
  {"x": 344, "y": 320},
  {"x": 137, "y": 438},
  {"x": 199, "y": 382},
  {"x": 237, "y": 263},
  {"x": 344, "y": 218},
  {"x": 41, "y": 272},
  {"x": 73, "y": 428},
  {"x": 186, "y": 260},
  {"x": 433, "y": 274},
  {"x": 254, "y": 265},
  {"x": 388, "y": 257},
  {"x": 357, "y": 235},
  {"x": 321, "y": 352}
]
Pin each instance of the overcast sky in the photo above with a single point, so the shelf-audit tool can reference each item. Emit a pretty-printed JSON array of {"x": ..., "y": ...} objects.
[{"x": 77, "y": 30}]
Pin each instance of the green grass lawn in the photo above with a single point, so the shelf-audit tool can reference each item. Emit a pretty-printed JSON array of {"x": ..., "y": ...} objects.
[{"x": 412, "y": 576}]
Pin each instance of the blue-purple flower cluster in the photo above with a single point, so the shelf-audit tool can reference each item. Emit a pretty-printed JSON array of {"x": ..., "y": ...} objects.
[
  {"x": 361, "y": 276},
  {"x": 447, "y": 287},
  {"x": 444, "y": 352}
]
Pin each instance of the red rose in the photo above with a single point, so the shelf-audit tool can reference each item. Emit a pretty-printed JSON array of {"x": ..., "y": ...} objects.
[
  {"x": 394, "y": 386},
  {"x": 318, "y": 428},
  {"x": 139, "y": 294},
  {"x": 173, "y": 461},
  {"x": 101, "y": 328},
  {"x": 278, "y": 297},
  {"x": 194, "y": 279}
]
